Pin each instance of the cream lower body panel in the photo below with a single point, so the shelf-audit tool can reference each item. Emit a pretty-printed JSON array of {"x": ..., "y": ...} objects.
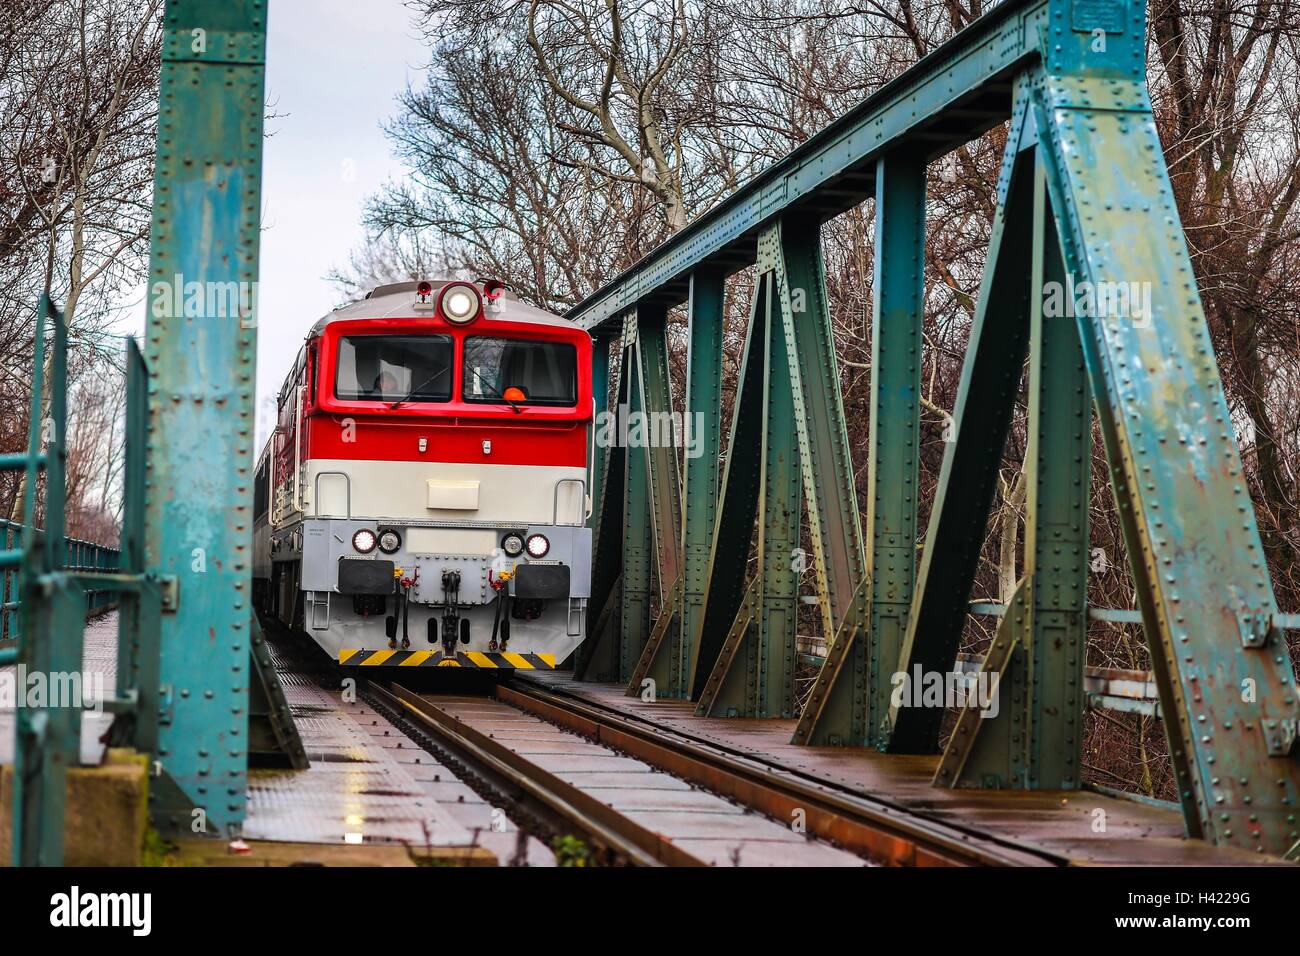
[
  {"x": 398, "y": 493},
  {"x": 400, "y": 490}
]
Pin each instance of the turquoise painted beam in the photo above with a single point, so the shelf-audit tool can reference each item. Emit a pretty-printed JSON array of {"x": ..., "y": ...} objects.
[
  {"x": 733, "y": 529},
  {"x": 752, "y": 672},
  {"x": 1227, "y": 690},
  {"x": 661, "y": 656},
  {"x": 849, "y": 701},
  {"x": 201, "y": 350},
  {"x": 700, "y": 475},
  {"x": 1023, "y": 728},
  {"x": 638, "y": 534},
  {"x": 597, "y": 658}
]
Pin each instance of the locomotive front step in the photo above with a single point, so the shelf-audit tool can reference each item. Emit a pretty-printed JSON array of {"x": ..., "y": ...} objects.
[{"x": 504, "y": 660}]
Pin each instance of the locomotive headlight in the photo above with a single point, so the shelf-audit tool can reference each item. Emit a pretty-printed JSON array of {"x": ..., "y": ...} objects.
[
  {"x": 538, "y": 546},
  {"x": 364, "y": 541},
  {"x": 513, "y": 545},
  {"x": 459, "y": 303},
  {"x": 389, "y": 541}
]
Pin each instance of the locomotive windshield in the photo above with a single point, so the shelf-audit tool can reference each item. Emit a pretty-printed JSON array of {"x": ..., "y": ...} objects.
[
  {"x": 545, "y": 372},
  {"x": 388, "y": 368}
]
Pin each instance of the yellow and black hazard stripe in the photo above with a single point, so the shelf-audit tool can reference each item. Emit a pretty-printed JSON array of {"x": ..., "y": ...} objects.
[{"x": 503, "y": 660}]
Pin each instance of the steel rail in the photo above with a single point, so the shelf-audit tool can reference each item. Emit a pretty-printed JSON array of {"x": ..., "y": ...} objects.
[
  {"x": 884, "y": 831},
  {"x": 603, "y": 826}
]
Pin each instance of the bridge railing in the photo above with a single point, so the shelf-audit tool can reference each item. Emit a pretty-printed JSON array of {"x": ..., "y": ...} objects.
[{"x": 82, "y": 556}]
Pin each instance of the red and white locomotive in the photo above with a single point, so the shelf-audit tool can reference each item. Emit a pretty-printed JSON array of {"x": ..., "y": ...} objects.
[{"x": 424, "y": 496}]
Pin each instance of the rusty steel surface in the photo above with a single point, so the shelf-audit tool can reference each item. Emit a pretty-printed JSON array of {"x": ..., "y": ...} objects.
[
  {"x": 677, "y": 823},
  {"x": 1052, "y": 827}
]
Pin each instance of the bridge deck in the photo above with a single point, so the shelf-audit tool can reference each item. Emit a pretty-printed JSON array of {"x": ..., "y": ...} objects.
[
  {"x": 363, "y": 785},
  {"x": 1060, "y": 822}
]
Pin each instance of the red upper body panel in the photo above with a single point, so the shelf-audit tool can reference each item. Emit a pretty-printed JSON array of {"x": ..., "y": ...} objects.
[{"x": 454, "y": 430}]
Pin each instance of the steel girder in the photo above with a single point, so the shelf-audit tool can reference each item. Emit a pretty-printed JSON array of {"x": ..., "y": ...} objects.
[
  {"x": 733, "y": 532},
  {"x": 752, "y": 672},
  {"x": 597, "y": 657},
  {"x": 638, "y": 534},
  {"x": 1224, "y": 677},
  {"x": 1022, "y": 726},
  {"x": 199, "y": 527},
  {"x": 705, "y": 313},
  {"x": 669, "y": 652},
  {"x": 848, "y": 704},
  {"x": 660, "y": 659},
  {"x": 986, "y": 394},
  {"x": 1082, "y": 126},
  {"x": 1221, "y": 663}
]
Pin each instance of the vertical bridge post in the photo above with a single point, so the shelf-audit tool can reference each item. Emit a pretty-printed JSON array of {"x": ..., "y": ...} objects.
[
  {"x": 705, "y": 319},
  {"x": 596, "y": 657},
  {"x": 848, "y": 705},
  {"x": 201, "y": 353},
  {"x": 651, "y": 431}
]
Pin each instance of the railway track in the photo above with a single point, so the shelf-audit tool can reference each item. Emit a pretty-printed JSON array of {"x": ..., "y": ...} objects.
[
  {"x": 644, "y": 794},
  {"x": 540, "y": 800}
]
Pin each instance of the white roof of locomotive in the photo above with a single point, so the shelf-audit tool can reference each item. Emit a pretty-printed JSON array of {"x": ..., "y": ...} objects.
[{"x": 396, "y": 301}]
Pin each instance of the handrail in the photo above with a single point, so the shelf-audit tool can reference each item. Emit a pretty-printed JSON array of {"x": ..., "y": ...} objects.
[
  {"x": 298, "y": 506},
  {"x": 591, "y": 465},
  {"x": 83, "y": 555}
]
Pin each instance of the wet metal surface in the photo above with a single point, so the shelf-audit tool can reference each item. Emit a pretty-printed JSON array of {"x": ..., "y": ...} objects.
[
  {"x": 709, "y": 827},
  {"x": 370, "y": 783},
  {"x": 1063, "y": 822},
  {"x": 359, "y": 788}
]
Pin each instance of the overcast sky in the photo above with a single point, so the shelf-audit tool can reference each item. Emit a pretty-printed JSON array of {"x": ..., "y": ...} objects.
[
  {"x": 334, "y": 71},
  {"x": 334, "y": 68}
]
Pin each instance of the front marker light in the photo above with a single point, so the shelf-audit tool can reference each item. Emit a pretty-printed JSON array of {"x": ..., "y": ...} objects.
[
  {"x": 364, "y": 541},
  {"x": 538, "y": 546},
  {"x": 459, "y": 303}
]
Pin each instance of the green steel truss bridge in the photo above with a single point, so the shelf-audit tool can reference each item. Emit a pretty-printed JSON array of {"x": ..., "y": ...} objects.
[{"x": 1083, "y": 193}]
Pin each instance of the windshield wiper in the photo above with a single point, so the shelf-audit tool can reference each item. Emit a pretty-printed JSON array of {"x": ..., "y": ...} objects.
[
  {"x": 427, "y": 382},
  {"x": 499, "y": 394}
]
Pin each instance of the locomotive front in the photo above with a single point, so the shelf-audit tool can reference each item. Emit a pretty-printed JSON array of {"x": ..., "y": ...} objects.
[{"x": 423, "y": 500}]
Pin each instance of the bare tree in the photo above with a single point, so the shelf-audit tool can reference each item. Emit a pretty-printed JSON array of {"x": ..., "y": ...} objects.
[{"x": 76, "y": 168}]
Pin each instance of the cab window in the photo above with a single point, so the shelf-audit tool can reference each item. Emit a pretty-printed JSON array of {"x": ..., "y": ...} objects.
[
  {"x": 544, "y": 373},
  {"x": 390, "y": 368}
]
